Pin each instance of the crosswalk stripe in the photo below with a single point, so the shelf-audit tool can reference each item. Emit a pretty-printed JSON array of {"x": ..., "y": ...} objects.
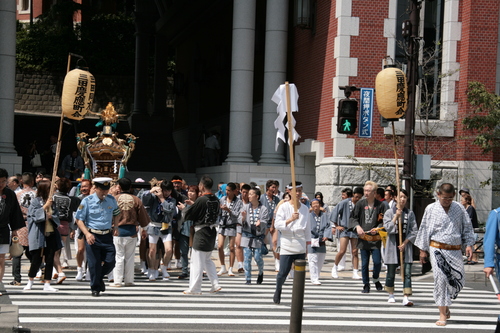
[
  {"x": 161, "y": 302},
  {"x": 240, "y": 322}
]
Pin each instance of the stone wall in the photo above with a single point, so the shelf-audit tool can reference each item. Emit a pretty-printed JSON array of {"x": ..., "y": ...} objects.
[
  {"x": 334, "y": 174},
  {"x": 41, "y": 93}
]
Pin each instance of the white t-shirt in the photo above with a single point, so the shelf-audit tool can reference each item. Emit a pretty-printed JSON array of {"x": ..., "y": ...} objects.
[{"x": 295, "y": 235}]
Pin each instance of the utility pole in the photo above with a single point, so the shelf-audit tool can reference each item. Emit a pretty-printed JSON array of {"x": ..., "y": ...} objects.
[{"x": 412, "y": 78}]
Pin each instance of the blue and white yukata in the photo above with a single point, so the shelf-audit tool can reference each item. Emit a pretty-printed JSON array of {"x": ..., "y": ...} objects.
[
  {"x": 252, "y": 237},
  {"x": 316, "y": 251},
  {"x": 452, "y": 228}
]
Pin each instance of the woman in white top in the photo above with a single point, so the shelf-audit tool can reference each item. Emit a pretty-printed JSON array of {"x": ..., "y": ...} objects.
[{"x": 295, "y": 236}]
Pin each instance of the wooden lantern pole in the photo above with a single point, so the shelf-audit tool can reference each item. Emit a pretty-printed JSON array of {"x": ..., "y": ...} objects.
[
  {"x": 400, "y": 222},
  {"x": 290, "y": 145}
]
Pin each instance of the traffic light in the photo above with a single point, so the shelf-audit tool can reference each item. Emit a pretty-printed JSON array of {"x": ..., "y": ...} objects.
[
  {"x": 406, "y": 29},
  {"x": 348, "y": 110}
]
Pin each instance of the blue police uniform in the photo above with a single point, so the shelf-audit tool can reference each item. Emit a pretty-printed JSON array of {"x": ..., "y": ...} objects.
[{"x": 98, "y": 217}]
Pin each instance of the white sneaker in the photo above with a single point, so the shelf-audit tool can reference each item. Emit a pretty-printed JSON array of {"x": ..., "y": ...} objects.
[
  {"x": 334, "y": 272},
  {"x": 143, "y": 267},
  {"x": 215, "y": 289},
  {"x": 79, "y": 274},
  {"x": 316, "y": 283},
  {"x": 355, "y": 275},
  {"x": 48, "y": 287},
  {"x": 340, "y": 268},
  {"x": 61, "y": 278},
  {"x": 164, "y": 273},
  {"x": 391, "y": 299},
  {"x": 151, "y": 274},
  {"x": 29, "y": 285},
  {"x": 407, "y": 302},
  {"x": 222, "y": 270}
]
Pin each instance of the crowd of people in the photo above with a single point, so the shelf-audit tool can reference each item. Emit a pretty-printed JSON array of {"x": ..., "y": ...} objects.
[{"x": 172, "y": 221}]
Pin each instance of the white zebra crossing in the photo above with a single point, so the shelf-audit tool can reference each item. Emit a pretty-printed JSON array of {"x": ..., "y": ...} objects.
[{"x": 336, "y": 303}]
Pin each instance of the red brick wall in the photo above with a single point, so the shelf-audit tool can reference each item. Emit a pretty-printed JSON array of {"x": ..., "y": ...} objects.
[
  {"x": 314, "y": 70},
  {"x": 37, "y": 10},
  {"x": 370, "y": 47},
  {"x": 313, "y": 73},
  {"x": 477, "y": 54}
]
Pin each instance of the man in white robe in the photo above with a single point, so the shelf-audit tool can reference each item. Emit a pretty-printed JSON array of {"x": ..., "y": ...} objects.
[{"x": 445, "y": 229}]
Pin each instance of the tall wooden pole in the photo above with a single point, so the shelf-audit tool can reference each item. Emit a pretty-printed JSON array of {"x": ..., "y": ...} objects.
[
  {"x": 58, "y": 146},
  {"x": 398, "y": 186},
  {"x": 290, "y": 145}
]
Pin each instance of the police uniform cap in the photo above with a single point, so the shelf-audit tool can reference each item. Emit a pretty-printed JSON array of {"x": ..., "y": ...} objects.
[{"x": 102, "y": 182}]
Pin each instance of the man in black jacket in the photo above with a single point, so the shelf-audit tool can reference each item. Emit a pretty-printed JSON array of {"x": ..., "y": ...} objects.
[
  {"x": 11, "y": 218},
  {"x": 203, "y": 213}
]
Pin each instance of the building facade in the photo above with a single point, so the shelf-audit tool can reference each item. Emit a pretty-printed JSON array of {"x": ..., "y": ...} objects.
[{"x": 231, "y": 56}]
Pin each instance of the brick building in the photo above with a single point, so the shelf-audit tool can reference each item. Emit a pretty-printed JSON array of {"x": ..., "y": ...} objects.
[
  {"x": 232, "y": 55},
  {"x": 349, "y": 42}
]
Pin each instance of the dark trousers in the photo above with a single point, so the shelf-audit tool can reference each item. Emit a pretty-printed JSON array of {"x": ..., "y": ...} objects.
[
  {"x": 365, "y": 261},
  {"x": 100, "y": 259},
  {"x": 391, "y": 276},
  {"x": 16, "y": 264},
  {"x": 48, "y": 253},
  {"x": 184, "y": 247},
  {"x": 286, "y": 262}
]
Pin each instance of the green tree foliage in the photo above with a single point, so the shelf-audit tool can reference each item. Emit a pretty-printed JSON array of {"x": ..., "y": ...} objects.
[
  {"x": 106, "y": 41},
  {"x": 45, "y": 44},
  {"x": 108, "y": 44},
  {"x": 486, "y": 118}
]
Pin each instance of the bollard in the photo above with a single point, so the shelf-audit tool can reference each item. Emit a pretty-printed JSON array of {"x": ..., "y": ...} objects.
[{"x": 299, "y": 279}]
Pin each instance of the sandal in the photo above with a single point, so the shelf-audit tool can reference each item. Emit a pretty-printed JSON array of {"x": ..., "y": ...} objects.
[
  {"x": 441, "y": 323},
  {"x": 448, "y": 314}
]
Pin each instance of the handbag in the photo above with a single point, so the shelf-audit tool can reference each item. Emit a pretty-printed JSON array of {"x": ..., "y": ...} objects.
[
  {"x": 15, "y": 249},
  {"x": 36, "y": 161},
  {"x": 263, "y": 249}
]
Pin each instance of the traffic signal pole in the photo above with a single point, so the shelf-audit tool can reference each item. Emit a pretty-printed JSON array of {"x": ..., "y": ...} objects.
[{"x": 412, "y": 78}]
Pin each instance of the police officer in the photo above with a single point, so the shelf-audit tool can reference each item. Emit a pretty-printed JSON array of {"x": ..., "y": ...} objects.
[{"x": 95, "y": 218}]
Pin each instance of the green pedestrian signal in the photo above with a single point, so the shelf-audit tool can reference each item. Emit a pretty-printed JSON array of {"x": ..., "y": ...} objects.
[
  {"x": 347, "y": 125},
  {"x": 347, "y": 116}
]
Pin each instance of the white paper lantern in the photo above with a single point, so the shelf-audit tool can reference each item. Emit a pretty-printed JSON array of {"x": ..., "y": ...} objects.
[
  {"x": 391, "y": 91},
  {"x": 78, "y": 94}
]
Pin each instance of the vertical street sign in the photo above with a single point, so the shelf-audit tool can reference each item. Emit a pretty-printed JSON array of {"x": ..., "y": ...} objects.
[{"x": 366, "y": 113}]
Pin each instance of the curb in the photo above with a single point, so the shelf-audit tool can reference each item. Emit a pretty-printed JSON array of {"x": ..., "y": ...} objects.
[{"x": 9, "y": 313}]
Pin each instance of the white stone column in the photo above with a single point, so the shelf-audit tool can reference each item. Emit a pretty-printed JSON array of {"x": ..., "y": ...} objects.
[
  {"x": 242, "y": 72},
  {"x": 8, "y": 76},
  {"x": 274, "y": 75}
]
